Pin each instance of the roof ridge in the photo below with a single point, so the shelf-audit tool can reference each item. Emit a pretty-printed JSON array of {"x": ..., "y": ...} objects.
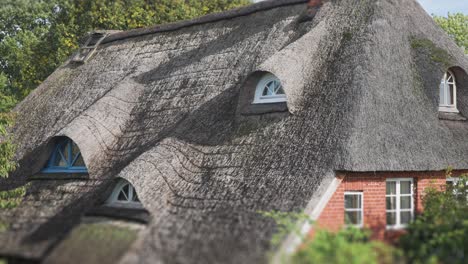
[{"x": 228, "y": 14}]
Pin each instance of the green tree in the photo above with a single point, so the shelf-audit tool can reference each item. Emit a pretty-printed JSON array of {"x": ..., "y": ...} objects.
[
  {"x": 7, "y": 149},
  {"x": 456, "y": 25},
  {"x": 439, "y": 234}
]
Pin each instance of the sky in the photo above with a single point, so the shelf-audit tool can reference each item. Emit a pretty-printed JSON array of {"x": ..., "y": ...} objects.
[{"x": 440, "y": 7}]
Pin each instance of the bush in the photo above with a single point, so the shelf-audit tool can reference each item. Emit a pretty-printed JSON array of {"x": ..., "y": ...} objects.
[
  {"x": 347, "y": 246},
  {"x": 439, "y": 234}
]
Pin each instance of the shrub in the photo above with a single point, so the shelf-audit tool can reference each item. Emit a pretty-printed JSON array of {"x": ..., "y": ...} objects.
[
  {"x": 439, "y": 234},
  {"x": 347, "y": 246}
]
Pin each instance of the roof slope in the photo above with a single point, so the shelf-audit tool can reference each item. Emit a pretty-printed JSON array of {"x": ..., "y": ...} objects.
[{"x": 159, "y": 108}]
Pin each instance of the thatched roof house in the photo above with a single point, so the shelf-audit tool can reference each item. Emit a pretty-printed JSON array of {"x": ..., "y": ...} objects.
[{"x": 345, "y": 88}]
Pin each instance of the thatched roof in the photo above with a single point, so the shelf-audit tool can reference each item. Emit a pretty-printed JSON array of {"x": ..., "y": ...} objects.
[{"x": 160, "y": 107}]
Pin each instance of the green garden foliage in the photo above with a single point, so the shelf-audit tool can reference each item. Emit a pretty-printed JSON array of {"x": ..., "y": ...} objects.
[
  {"x": 348, "y": 246},
  {"x": 439, "y": 235},
  {"x": 456, "y": 25},
  {"x": 286, "y": 223}
]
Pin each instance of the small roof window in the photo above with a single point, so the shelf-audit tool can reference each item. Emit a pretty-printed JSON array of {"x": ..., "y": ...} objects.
[
  {"x": 269, "y": 90},
  {"x": 448, "y": 93},
  {"x": 66, "y": 158},
  {"x": 89, "y": 48},
  {"x": 124, "y": 195}
]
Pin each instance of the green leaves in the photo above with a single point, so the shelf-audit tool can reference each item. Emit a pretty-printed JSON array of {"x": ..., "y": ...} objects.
[
  {"x": 456, "y": 25},
  {"x": 439, "y": 234},
  {"x": 13, "y": 194},
  {"x": 347, "y": 246},
  {"x": 286, "y": 222}
]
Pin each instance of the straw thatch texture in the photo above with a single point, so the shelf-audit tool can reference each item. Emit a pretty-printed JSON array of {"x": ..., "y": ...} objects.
[{"x": 159, "y": 107}]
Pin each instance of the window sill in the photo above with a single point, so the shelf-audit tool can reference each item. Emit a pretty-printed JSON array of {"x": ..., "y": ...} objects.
[
  {"x": 59, "y": 176},
  {"x": 265, "y": 108},
  {"x": 451, "y": 116},
  {"x": 448, "y": 109},
  {"x": 139, "y": 215},
  {"x": 396, "y": 228}
]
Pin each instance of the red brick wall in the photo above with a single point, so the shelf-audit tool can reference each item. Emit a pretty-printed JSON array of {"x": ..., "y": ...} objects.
[{"x": 373, "y": 186}]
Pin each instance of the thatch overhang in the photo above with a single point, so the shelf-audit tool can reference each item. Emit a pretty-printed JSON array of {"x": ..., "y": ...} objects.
[{"x": 160, "y": 108}]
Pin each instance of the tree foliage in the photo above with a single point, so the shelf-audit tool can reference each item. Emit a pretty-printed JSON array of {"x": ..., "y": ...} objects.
[
  {"x": 456, "y": 25},
  {"x": 439, "y": 235}
]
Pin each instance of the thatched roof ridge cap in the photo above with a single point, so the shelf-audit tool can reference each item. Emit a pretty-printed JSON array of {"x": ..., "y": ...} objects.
[{"x": 210, "y": 18}]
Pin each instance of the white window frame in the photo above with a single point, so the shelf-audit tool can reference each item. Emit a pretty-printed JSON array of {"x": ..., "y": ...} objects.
[
  {"x": 260, "y": 99},
  {"x": 443, "y": 106},
  {"x": 115, "y": 202},
  {"x": 454, "y": 181},
  {"x": 398, "y": 195},
  {"x": 361, "y": 194}
]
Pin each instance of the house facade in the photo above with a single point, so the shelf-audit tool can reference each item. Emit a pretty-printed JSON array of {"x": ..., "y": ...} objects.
[
  {"x": 384, "y": 202},
  {"x": 161, "y": 145}
]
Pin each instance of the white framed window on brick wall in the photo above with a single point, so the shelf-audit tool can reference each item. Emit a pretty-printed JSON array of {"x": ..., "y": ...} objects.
[
  {"x": 399, "y": 202},
  {"x": 453, "y": 183},
  {"x": 354, "y": 208}
]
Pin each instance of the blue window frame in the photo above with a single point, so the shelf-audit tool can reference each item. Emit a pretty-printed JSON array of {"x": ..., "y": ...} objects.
[{"x": 66, "y": 157}]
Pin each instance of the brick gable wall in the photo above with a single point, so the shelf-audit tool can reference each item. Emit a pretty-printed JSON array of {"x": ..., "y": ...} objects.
[{"x": 373, "y": 186}]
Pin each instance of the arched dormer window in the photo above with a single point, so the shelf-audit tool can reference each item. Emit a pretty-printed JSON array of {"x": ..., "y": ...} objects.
[
  {"x": 65, "y": 158},
  {"x": 269, "y": 90},
  {"x": 448, "y": 93},
  {"x": 124, "y": 195}
]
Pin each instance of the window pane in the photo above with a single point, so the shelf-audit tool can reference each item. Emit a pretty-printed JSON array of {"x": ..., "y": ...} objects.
[
  {"x": 391, "y": 219},
  {"x": 391, "y": 203},
  {"x": 449, "y": 77},
  {"x": 280, "y": 90},
  {"x": 135, "y": 197},
  {"x": 405, "y": 202},
  {"x": 60, "y": 156},
  {"x": 352, "y": 201},
  {"x": 75, "y": 150},
  {"x": 353, "y": 218},
  {"x": 405, "y": 217},
  {"x": 405, "y": 187},
  {"x": 442, "y": 93},
  {"x": 391, "y": 187},
  {"x": 123, "y": 194},
  {"x": 451, "y": 92},
  {"x": 79, "y": 161}
]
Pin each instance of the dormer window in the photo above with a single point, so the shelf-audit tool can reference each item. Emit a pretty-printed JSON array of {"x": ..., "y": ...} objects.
[
  {"x": 90, "y": 47},
  {"x": 65, "y": 158},
  {"x": 269, "y": 90},
  {"x": 124, "y": 195},
  {"x": 448, "y": 93}
]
